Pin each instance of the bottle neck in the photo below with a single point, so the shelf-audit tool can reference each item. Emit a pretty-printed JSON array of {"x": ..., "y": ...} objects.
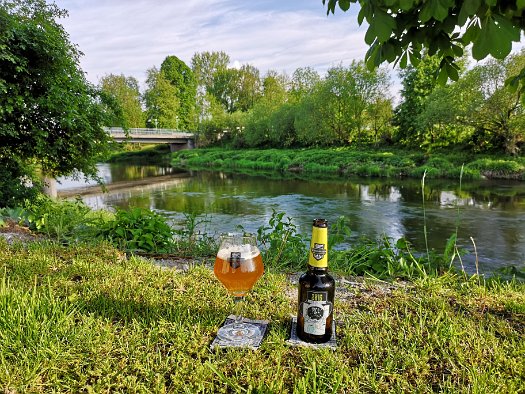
[{"x": 318, "y": 253}]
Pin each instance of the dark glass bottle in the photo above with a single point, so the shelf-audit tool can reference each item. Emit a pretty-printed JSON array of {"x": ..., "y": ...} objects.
[{"x": 315, "y": 315}]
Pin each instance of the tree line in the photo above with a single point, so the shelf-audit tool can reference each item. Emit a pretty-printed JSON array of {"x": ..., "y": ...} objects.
[{"x": 348, "y": 105}]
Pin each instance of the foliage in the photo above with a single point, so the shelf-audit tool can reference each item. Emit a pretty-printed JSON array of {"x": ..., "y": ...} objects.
[
  {"x": 65, "y": 222},
  {"x": 387, "y": 162},
  {"x": 15, "y": 185},
  {"x": 192, "y": 239},
  {"x": 282, "y": 246},
  {"x": 236, "y": 89},
  {"x": 50, "y": 115},
  {"x": 399, "y": 31},
  {"x": 385, "y": 258},
  {"x": 162, "y": 103},
  {"x": 478, "y": 109},
  {"x": 138, "y": 230},
  {"x": 418, "y": 83},
  {"x": 204, "y": 66},
  {"x": 181, "y": 78},
  {"x": 125, "y": 90},
  {"x": 262, "y": 127}
]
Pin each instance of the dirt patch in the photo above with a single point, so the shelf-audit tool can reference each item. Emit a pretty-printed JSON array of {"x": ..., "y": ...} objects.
[{"x": 13, "y": 232}]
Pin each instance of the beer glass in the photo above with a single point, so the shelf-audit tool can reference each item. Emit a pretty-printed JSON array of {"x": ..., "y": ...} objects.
[{"x": 238, "y": 266}]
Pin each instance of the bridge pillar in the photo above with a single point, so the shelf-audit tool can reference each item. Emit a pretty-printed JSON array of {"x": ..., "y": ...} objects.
[{"x": 190, "y": 144}]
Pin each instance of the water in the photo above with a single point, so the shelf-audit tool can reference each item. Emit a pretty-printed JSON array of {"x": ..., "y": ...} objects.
[{"x": 489, "y": 215}]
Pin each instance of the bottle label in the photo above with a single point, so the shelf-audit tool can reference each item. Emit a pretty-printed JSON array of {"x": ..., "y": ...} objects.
[
  {"x": 316, "y": 310},
  {"x": 318, "y": 256},
  {"x": 235, "y": 260}
]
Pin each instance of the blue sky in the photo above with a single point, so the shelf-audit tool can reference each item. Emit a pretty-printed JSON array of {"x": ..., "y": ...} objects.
[{"x": 130, "y": 36}]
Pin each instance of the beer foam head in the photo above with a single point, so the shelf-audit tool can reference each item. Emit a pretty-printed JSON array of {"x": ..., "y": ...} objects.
[{"x": 247, "y": 251}]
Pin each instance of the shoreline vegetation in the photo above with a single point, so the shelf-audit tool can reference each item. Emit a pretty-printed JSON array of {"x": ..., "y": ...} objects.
[{"x": 369, "y": 162}]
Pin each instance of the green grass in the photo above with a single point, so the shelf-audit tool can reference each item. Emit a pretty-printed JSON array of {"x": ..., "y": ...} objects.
[
  {"x": 354, "y": 161},
  {"x": 84, "y": 319}
]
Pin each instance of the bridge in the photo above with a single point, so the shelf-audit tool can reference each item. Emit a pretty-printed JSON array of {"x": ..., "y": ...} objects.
[{"x": 176, "y": 139}]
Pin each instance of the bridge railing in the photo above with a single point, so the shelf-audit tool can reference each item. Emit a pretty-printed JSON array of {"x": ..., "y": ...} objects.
[{"x": 147, "y": 131}]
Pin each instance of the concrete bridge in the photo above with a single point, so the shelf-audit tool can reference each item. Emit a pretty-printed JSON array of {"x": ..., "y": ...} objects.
[{"x": 176, "y": 139}]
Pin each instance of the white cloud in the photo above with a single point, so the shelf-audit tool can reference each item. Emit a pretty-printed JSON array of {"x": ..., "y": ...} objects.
[{"x": 129, "y": 37}]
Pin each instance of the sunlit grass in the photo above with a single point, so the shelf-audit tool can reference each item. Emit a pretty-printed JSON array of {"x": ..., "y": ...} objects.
[{"x": 84, "y": 318}]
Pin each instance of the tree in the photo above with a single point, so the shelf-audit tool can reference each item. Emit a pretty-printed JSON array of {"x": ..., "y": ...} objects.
[
  {"x": 262, "y": 128},
  {"x": 50, "y": 116},
  {"x": 162, "y": 104},
  {"x": 237, "y": 90},
  {"x": 304, "y": 79},
  {"x": 400, "y": 30},
  {"x": 418, "y": 83},
  {"x": 125, "y": 91},
  {"x": 206, "y": 64},
  {"x": 182, "y": 79},
  {"x": 336, "y": 110}
]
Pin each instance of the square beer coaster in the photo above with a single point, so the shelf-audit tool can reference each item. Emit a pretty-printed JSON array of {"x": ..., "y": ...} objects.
[
  {"x": 252, "y": 341},
  {"x": 296, "y": 341}
]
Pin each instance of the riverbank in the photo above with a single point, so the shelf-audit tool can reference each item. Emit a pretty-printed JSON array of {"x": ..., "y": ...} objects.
[
  {"x": 84, "y": 318},
  {"x": 359, "y": 162}
]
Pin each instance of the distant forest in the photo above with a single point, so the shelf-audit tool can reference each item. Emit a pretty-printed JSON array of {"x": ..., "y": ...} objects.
[{"x": 349, "y": 105}]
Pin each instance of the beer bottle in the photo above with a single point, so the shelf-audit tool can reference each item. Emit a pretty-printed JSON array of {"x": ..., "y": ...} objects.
[{"x": 316, "y": 290}]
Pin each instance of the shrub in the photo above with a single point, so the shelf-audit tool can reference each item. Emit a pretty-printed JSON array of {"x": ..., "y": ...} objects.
[{"x": 138, "y": 230}]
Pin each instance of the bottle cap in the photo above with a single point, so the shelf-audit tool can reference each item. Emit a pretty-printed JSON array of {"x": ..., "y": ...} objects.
[{"x": 320, "y": 223}]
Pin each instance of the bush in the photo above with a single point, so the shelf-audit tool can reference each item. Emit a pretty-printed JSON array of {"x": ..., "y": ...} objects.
[{"x": 138, "y": 230}]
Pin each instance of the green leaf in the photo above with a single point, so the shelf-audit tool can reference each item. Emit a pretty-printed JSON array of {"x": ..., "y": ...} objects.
[
  {"x": 513, "y": 83},
  {"x": 508, "y": 29},
  {"x": 365, "y": 12},
  {"x": 406, "y": 5},
  {"x": 344, "y": 5},
  {"x": 373, "y": 56},
  {"x": 437, "y": 9},
  {"x": 491, "y": 3},
  {"x": 495, "y": 38},
  {"x": 383, "y": 24},
  {"x": 471, "y": 34},
  {"x": 452, "y": 71},
  {"x": 520, "y": 4},
  {"x": 403, "y": 60},
  {"x": 468, "y": 9},
  {"x": 442, "y": 77}
]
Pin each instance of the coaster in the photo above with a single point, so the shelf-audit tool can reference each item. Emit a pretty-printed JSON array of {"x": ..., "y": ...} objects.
[
  {"x": 252, "y": 342},
  {"x": 296, "y": 341}
]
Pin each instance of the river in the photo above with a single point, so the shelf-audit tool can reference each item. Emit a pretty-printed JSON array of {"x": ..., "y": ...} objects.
[{"x": 489, "y": 215}]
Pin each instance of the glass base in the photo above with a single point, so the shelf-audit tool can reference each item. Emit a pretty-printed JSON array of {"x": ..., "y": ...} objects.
[{"x": 239, "y": 333}]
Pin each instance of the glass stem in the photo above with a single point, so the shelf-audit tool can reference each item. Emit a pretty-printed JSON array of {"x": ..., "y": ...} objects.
[{"x": 238, "y": 303}]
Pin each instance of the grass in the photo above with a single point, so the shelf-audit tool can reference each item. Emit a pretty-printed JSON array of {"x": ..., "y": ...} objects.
[
  {"x": 84, "y": 319},
  {"x": 355, "y": 161}
]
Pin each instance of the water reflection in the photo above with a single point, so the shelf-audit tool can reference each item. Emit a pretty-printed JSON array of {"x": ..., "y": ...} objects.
[{"x": 490, "y": 212}]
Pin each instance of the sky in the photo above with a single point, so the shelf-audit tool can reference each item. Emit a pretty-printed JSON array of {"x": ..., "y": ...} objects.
[{"x": 131, "y": 36}]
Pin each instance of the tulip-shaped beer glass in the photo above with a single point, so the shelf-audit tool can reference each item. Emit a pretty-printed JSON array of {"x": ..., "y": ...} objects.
[{"x": 238, "y": 266}]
